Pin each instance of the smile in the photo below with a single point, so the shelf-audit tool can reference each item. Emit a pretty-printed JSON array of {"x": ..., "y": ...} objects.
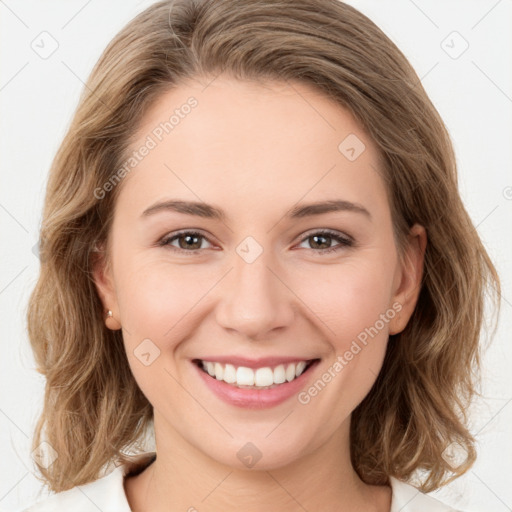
[{"x": 266, "y": 377}]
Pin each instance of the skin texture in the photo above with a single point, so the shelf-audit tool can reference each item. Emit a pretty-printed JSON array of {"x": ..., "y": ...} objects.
[{"x": 255, "y": 150}]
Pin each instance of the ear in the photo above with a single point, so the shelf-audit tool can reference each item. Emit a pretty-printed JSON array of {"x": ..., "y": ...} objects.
[
  {"x": 105, "y": 286},
  {"x": 408, "y": 278}
]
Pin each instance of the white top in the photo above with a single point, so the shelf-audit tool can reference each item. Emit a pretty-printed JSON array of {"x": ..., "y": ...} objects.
[{"x": 107, "y": 494}]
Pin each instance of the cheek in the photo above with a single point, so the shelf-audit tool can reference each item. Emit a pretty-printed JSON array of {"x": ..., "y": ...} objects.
[
  {"x": 356, "y": 309},
  {"x": 155, "y": 297},
  {"x": 352, "y": 303},
  {"x": 348, "y": 298},
  {"x": 159, "y": 304}
]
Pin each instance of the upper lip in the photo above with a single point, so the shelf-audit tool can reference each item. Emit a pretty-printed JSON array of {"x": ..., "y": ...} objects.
[{"x": 254, "y": 363}]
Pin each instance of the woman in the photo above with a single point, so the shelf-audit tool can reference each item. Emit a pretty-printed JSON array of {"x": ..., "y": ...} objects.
[{"x": 253, "y": 244}]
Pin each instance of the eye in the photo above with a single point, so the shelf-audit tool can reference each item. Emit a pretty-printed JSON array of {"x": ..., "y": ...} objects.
[
  {"x": 325, "y": 237},
  {"x": 188, "y": 241},
  {"x": 191, "y": 241}
]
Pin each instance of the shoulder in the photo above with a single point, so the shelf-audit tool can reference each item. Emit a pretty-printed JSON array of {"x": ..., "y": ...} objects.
[
  {"x": 406, "y": 498},
  {"x": 106, "y": 494}
]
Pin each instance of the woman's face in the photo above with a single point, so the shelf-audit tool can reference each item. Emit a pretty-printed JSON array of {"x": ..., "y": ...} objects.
[{"x": 254, "y": 281}]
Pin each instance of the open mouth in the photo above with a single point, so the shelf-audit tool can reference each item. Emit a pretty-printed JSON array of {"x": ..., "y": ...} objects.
[{"x": 255, "y": 378}]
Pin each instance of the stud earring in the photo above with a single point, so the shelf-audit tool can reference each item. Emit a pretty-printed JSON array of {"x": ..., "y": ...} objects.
[{"x": 111, "y": 322}]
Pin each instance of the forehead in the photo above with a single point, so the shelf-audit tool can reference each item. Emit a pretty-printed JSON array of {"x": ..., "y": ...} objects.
[{"x": 264, "y": 143}]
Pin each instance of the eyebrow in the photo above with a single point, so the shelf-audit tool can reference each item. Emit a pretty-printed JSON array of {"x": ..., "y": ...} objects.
[{"x": 209, "y": 211}]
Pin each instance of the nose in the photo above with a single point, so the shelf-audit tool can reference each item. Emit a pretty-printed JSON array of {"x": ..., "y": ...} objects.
[{"x": 254, "y": 299}]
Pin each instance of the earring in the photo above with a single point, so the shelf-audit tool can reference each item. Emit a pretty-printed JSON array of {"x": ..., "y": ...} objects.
[{"x": 111, "y": 322}]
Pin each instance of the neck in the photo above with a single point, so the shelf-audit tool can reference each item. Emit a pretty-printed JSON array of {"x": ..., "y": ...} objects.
[{"x": 185, "y": 479}]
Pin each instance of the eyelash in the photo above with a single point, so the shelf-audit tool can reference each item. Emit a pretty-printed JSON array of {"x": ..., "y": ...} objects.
[{"x": 344, "y": 241}]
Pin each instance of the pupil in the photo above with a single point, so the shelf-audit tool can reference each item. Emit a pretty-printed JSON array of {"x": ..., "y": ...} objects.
[
  {"x": 189, "y": 238},
  {"x": 317, "y": 237}
]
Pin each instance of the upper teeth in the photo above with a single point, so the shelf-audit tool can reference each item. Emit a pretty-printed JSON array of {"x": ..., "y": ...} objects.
[{"x": 260, "y": 377}]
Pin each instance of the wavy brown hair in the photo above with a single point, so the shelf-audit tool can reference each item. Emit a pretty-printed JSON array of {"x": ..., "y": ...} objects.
[{"x": 93, "y": 409}]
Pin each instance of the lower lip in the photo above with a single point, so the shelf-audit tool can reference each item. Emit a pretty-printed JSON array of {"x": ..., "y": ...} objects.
[{"x": 255, "y": 398}]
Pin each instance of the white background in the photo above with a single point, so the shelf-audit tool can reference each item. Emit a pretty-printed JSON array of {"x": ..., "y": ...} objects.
[{"x": 473, "y": 94}]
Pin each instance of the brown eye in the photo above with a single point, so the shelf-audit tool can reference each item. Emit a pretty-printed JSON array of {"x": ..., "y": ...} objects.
[
  {"x": 188, "y": 241},
  {"x": 321, "y": 241}
]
